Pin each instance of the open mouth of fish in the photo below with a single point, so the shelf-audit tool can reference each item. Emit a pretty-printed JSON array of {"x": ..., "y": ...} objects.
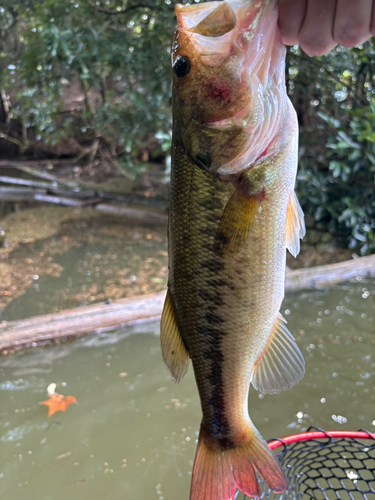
[{"x": 238, "y": 119}]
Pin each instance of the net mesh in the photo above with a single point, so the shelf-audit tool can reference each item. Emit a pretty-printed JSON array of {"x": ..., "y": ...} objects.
[{"x": 326, "y": 469}]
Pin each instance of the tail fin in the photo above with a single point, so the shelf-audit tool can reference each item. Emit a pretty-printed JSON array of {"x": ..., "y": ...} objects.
[{"x": 218, "y": 473}]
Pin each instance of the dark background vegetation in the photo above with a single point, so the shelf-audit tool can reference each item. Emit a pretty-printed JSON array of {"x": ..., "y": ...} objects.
[{"x": 90, "y": 80}]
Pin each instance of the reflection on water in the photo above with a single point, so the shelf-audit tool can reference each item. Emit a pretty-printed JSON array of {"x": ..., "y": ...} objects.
[{"x": 132, "y": 433}]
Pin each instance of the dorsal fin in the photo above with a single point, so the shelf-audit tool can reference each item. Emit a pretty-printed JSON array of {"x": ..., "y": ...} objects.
[
  {"x": 281, "y": 365},
  {"x": 295, "y": 225},
  {"x": 174, "y": 352}
]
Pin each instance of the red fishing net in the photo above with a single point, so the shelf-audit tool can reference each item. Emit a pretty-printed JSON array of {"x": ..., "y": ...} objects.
[{"x": 325, "y": 465}]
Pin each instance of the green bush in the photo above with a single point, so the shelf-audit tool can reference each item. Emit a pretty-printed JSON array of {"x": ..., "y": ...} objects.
[
  {"x": 118, "y": 52},
  {"x": 121, "y": 54},
  {"x": 335, "y": 102}
]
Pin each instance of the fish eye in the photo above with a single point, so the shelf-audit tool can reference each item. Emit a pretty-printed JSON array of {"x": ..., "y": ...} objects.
[{"x": 182, "y": 66}]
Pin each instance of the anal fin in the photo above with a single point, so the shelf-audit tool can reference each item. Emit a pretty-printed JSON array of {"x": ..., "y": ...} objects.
[
  {"x": 174, "y": 352},
  {"x": 295, "y": 225},
  {"x": 281, "y": 366}
]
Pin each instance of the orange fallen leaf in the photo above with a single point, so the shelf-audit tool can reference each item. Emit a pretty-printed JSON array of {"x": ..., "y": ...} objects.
[{"x": 58, "y": 402}]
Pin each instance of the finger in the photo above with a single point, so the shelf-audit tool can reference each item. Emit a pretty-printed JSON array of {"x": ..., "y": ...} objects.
[
  {"x": 291, "y": 16},
  {"x": 372, "y": 29},
  {"x": 316, "y": 35},
  {"x": 352, "y": 22}
]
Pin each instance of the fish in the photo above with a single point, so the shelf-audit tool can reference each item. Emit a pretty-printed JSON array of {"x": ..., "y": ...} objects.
[{"x": 233, "y": 213}]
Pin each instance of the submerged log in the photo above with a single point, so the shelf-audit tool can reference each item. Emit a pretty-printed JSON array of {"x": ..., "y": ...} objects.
[{"x": 112, "y": 315}]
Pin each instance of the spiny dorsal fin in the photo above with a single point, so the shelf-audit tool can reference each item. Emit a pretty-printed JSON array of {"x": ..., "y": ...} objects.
[
  {"x": 237, "y": 220},
  {"x": 282, "y": 365},
  {"x": 218, "y": 22},
  {"x": 295, "y": 225},
  {"x": 173, "y": 349}
]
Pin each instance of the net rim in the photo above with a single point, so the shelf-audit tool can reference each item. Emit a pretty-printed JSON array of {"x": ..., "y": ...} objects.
[
  {"x": 313, "y": 433},
  {"x": 290, "y": 450}
]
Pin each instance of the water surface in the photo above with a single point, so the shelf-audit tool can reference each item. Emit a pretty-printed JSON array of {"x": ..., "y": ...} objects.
[{"x": 132, "y": 434}]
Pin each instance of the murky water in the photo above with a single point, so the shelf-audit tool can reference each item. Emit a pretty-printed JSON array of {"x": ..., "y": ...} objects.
[
  {"x": 132, "y": 434},
  {"x": 90, "y": 259}
]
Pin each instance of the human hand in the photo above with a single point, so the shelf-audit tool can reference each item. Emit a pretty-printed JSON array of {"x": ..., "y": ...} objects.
[{"x": 319, "y": 25}]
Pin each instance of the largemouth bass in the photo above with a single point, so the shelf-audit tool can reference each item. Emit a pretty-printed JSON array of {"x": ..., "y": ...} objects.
[{"x": 233, "y": 213}]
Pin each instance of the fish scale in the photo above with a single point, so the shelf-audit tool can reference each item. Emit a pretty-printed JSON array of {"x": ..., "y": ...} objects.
[{"x": 194, "y": 266}]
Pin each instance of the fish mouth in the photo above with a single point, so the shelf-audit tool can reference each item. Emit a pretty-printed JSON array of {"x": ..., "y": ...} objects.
[
  {"x": 210, "y": 19},
  {"x": 241, "y": 118}
]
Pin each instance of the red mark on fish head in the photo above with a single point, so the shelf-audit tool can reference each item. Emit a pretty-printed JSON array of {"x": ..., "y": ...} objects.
[{"x": 219, "y": 91}]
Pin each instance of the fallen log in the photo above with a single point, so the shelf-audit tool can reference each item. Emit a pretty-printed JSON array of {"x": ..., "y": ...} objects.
[
  {"x": 42, "y": 196},
  {"x": 328, "y": 275},
  {"x": 25, "y": 182},
  {"x": 67, "y": 202},
  {"x": 76, "y": 191},
  {"x": 71, "y": 189},
  {"x": 35, "y": 163},
  {"x": 61, "y": 326},
  {"x": 45, "y": 175},
  {"x": 144, "y": 215},
  {"x": 20, "y": 194},
  {"x": 112, "y": 315},
  {"x": 9, "y": 190}
]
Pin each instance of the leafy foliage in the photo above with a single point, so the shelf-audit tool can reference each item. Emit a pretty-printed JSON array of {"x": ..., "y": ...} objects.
[
  {"x": 335, "y": 102},
  {"x": 98, "y": 72},
  {"x": 117, "y": 56}
]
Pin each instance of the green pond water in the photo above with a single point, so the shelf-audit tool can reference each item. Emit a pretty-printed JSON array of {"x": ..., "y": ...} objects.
[
  {"x": 133, "y": 433},
  {"x": 94, "y": 259}
]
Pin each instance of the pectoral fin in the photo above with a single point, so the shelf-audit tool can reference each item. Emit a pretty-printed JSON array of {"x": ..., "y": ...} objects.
[
  {"x": 237, "y": 221},
  {"x": 295, "y": 225},
  {"x": 282, "y": 365},
  {"x": 174, "y": 352}
]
